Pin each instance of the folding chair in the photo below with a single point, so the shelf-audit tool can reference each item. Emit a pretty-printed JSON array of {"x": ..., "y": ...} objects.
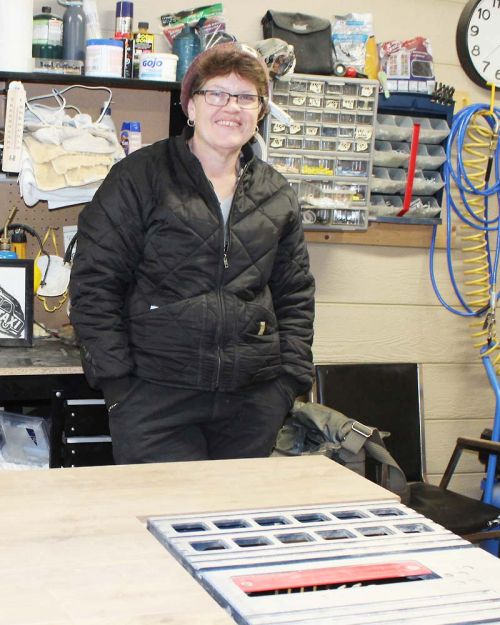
[{"x": 388, "y": 396}]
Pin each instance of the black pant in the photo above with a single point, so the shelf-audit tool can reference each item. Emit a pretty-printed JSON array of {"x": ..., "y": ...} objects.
[{"x": 155, "y": 423}]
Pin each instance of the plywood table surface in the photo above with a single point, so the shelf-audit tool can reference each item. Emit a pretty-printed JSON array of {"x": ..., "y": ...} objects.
[
  {"x": 46, "y": 357},
  {"x": 74, "y": 548}
]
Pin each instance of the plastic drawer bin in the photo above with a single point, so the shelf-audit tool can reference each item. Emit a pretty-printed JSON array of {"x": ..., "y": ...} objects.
[
  {"x": 393, "y": 128},
  {"x": 391, "y": 154},
  {"x": 385, "y": 205},
  {"x": 425, "y": 207},
  {"x": 427, "y": 182},
  {"x": 24, "y": 440},
  {"x": 421, "y": 207},
  {"x": 286, "y": 164},
  {"x": 388, "y": 180},
  {"x": 430, "y": 156},
  {"x": 348, "y": 217},
  {"x": 432, "y": 130}
]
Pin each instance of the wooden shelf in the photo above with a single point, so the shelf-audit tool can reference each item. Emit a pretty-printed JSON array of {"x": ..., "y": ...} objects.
[
  {"x": 72, "y": 79},
  {"x": 389, "y": 234},
  {"x": 177, "y": 117}
]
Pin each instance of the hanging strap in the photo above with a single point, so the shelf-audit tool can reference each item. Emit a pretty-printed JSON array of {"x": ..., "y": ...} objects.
[
  {"x": 392, "y": 476},
  {"x": 336, "y": 428},
  {"x": 360, "y": 435}
]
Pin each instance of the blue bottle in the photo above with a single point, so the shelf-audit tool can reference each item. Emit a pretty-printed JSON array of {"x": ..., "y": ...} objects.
[{"x": 186, "y": 46}]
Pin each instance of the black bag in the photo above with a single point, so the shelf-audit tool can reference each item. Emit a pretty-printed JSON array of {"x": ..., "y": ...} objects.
[
  {"x": 312, "y": 428},
  {"x": 311, "y": 38}
]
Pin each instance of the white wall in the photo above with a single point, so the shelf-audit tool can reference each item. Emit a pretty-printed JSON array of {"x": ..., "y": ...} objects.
[{"x": 375, "y": 303}]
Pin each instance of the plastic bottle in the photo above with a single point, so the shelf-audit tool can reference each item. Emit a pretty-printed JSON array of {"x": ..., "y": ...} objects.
[
  {"x": 186, "y": 46},
  {"x": 143, "y": 39},
  {"x": 144, "y": 42},
  {"x": 130, "y": 137},
  {"x": 123, "y": 21},
  {"x": 93, "y": 26},
  {"x": 47, "y": 35},
  {"x": 107, "y": 120},
  {"x": 74, "y": 40}
]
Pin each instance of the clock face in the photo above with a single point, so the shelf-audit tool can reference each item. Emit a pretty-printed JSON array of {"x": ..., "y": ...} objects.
[{"x": 478, "y": 41}]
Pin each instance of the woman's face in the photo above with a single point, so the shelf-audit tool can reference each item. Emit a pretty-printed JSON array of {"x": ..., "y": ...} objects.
[{"x": 224, "y": 128}]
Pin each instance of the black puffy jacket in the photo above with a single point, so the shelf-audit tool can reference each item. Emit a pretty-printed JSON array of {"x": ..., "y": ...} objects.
[{"x": 158, "y": 293}]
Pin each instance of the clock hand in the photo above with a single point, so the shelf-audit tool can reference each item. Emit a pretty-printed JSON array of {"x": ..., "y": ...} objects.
[{"x": 494, "y": 50}]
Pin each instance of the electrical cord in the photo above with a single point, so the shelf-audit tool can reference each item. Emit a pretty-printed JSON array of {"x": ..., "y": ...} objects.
[
  {"x": 472, "y": 156},
  {"x": 58, "y": 94}
]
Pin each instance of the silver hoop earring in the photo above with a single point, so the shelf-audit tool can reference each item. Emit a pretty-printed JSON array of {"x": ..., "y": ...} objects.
[{"x": 190, "y": 123}]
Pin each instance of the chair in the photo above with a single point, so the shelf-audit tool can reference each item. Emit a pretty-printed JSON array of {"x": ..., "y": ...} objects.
[
  {"x": 388, "y": 396},
  {"x": 79, "y": 431}
]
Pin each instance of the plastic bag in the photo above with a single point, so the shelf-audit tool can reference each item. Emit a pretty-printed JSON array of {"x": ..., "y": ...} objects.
[
  {"x": 213, "y": 22},
  {"x": 350, "y": 34}
]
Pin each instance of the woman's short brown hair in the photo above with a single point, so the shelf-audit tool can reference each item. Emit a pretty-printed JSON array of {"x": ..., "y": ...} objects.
[{"x": 222, "y": 60}]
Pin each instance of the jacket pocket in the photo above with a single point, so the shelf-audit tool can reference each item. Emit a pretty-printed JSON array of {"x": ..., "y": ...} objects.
[{"x": 258, "y": 323}]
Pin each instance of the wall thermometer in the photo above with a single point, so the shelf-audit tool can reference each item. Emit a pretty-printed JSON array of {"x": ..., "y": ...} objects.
[{"x": 14, "y": 126}]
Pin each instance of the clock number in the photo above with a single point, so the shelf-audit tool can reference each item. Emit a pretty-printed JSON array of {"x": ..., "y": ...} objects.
[
  {"x": 484, "y": 14},
  {"x": 496, "y": 4},
  {"x": 497, "y": 74},
  {"x": 474, "y": 30},
  {"x": 475, "y": 50},
  {"x": 486, "y": 65}
]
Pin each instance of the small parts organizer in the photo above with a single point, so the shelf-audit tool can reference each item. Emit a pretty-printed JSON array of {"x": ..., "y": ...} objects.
[
  {"x": 326, "y": 153},
  {"x": 407, "y": 178}
]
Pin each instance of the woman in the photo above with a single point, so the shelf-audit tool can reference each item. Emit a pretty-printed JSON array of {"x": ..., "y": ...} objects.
[{"x": 191, "y": 293}]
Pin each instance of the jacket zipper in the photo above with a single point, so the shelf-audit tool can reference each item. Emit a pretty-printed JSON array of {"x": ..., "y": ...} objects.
[
  {"x": 227, "y": 229},
  {"x": 225, "y": 265},
  {"x": 219, "y": 285}
]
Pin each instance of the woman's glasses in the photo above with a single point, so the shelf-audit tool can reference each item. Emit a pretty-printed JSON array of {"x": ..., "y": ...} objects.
[{"x": 214, "y": 97}]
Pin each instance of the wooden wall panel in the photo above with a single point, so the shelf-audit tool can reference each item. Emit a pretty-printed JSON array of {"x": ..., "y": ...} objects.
[
  {"x": 368, "y": 274},
  {"x": 440, "y": 437},
  {"x": 457, "y": 392},
  {"x": 382, "y": 333}
]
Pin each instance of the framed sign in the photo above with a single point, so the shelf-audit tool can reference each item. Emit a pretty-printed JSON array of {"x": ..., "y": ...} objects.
[{"x": 16, "y": 303}]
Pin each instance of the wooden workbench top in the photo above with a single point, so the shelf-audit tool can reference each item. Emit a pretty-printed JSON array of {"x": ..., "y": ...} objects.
[
  {"x": 46, "y": 357},
  {"x": 74, "y": 548}
]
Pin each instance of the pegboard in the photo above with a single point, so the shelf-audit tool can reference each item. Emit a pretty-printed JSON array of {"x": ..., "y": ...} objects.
[
  {"x": 39, "y": 217},
  {"x": 151, "y": 108}
]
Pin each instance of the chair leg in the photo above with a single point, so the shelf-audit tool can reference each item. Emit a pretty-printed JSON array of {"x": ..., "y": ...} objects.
[{"x": 491, "y": 545}]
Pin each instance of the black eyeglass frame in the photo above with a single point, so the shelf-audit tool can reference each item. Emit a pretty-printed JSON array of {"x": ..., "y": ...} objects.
[{"x": 261, "y": 100}]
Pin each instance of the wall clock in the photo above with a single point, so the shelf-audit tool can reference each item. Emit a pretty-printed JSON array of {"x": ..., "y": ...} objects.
[{"x": 478, "y": 41}]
